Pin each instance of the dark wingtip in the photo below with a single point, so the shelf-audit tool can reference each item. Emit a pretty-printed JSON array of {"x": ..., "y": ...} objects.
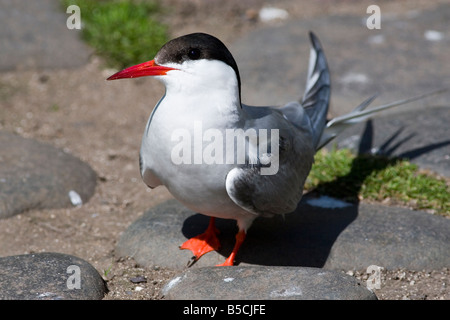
[{"x": 314, "y": 41}]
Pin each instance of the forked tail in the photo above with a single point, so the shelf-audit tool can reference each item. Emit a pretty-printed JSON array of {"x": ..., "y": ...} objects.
[{"x": 336, "y": 125}]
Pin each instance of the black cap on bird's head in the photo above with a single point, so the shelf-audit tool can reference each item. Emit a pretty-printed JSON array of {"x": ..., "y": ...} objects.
[{"x": 196, "y": 46}]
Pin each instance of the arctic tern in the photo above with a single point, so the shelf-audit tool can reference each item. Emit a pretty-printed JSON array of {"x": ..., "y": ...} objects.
[{"x": 203, "y": 94}]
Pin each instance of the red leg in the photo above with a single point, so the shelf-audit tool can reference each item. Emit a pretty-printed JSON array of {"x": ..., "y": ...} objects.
[
  {"x": 240, "y": 237},
  {"x": 205, "y": 242}
]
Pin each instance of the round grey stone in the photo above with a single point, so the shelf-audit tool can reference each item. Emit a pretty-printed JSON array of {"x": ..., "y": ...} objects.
[
  {"x": 345, "y": 238},
  {"x": 49, "y": 276},
  {"x": 36, "y": 175},
  {"x": 34, "y": 35},
  {"x": 265, "y": 283}
]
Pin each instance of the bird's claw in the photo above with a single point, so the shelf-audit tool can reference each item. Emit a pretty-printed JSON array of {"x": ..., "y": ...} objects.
[{"x": 191, "y": 261}]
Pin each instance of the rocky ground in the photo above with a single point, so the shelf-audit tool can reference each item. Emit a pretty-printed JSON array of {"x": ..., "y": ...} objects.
[{"x": 74, "y": 109}]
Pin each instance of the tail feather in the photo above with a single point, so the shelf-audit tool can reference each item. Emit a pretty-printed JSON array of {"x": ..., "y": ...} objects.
[
  {"x": 359, "y": 114},
  {"x": 316, "y": 98}
]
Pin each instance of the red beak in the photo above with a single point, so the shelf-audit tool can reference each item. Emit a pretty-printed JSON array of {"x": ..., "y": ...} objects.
[{"x": 149, "y": 68}]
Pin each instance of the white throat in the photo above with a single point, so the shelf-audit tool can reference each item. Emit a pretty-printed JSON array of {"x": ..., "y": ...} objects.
[{"x": 202, "y": 84}]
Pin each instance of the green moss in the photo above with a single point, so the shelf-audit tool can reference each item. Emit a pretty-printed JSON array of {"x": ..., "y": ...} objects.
[
  {"x": 340, "y": 174},
  {"x": 125, "y": 32}
]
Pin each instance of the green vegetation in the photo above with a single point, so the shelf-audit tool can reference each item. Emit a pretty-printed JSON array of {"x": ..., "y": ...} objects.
[
  {"x": 340, "y": 174},
  {"x": 125, "y": 32},
  {"x": 107, "y": 271},
  {"x": 54, "y": 108}
]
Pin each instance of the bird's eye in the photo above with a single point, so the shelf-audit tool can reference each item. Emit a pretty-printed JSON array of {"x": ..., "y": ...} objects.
[{"x": 194, "y": 54}]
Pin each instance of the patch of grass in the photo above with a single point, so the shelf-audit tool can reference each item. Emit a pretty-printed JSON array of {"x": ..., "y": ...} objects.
[
  {"x": 125, "y": 32},
  {"x": 54, "y": 108},
  {"x": 107, "y": 271},
  {"x": 340, "y": 174},
  {"x": 7, "y": 90}
]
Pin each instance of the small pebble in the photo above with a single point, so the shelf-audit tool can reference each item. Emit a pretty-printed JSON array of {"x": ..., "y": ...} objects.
[
  {"x": 138, "y": 279},
  {"x": 75, "y": 198},
  {"x": 268, "y": 14}
]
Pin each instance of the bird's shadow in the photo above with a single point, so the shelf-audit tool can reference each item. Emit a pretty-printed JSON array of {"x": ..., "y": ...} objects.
[{"x": 306, "y": 236}]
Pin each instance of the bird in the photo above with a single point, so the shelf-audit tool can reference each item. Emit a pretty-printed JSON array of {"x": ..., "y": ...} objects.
[{"x": 213, "y": 152}]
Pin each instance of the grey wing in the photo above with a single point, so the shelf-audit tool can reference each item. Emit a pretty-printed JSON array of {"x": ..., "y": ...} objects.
[
  {"x": 269, "y": 194},
  {"x": 278, "y": 192}
]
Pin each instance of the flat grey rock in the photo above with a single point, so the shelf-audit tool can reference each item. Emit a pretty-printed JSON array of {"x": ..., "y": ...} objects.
[
  {"x": 423, "y": 137},
  {"x": 345, "y": 238},
  {"x": 34, "y": 34},
  {"x": 397, "y": 61},
  {"x": 265, "y": 283},
  {"x": 36, "y": 175},
  {"x": 49, "y": 276}
]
